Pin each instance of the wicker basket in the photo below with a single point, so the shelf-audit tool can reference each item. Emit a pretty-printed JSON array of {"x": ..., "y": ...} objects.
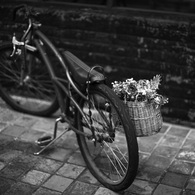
[{"x": 146, "y": 118}]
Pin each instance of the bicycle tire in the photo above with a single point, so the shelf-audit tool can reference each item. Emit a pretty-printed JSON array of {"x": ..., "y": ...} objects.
[
  {"x": 109, "y": 115},
  {"x": 36, "y": 96}
]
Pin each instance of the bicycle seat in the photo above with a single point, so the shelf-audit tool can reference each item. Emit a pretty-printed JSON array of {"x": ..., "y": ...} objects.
[{"x": 81, "y": 71}]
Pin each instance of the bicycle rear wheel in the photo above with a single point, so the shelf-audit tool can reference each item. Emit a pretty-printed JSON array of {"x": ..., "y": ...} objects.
[
  {"x": 36, "y": 95},
  {"x": 113, "y": 157}
]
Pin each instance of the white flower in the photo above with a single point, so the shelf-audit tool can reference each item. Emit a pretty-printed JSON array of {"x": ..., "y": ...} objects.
[
  {"x": 142, "y": 90},
  {"x": 157, "y": 100}
]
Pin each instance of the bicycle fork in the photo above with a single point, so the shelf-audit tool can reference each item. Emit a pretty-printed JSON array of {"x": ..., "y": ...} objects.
[{"x": 21, "y": 52}]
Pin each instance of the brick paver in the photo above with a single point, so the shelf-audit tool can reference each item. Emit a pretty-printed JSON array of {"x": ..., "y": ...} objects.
[
  {"x": 70, "y": 170},
  {"x": 141, "y": 187},
  {"x": 87, "y": 177},
  {"x": 48, "y": 165},
  {"x": 21, "y": 188},
  {"x": 44, "y": 191},
  {"x": 104, "y": 191},
  {"x": 58, "y": 183},
  {"x": 35, "y": 177},
  {"x": 175, "y": 180},
  {"x": 165, "y": 189},
  {"x": 81, "y": 188},
  {"x": 166, "y": 166}
]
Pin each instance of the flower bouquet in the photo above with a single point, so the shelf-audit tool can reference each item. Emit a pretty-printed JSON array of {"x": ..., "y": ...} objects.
[{"x": 143, "y": 102}]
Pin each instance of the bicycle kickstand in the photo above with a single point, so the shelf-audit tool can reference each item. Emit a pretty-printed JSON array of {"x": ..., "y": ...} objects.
[{"x": 47, "y": 140}]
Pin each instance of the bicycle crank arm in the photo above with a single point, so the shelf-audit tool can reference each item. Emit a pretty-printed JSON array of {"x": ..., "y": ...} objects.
[
  {"x": 51, "y": 142},
  {"x": 47, "y": 141}
]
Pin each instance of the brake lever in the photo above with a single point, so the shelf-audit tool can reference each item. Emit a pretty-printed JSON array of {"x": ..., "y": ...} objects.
[{"x": 15, "y": 42}]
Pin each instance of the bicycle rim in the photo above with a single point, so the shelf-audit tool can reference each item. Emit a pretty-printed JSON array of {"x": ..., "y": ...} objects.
[
  {"x": 35, "y": 95},
  {"x": 113, "y": 157}
]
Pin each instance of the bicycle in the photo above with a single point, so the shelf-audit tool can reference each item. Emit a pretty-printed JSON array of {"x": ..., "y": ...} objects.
[{"x": 105, "y": 135}]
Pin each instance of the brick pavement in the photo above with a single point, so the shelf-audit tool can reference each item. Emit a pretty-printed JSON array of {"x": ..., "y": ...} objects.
[{"x": 167, "y": 161}]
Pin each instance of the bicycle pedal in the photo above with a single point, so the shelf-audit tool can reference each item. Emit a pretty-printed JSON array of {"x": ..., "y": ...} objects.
[{"x": 44, "y": 141}]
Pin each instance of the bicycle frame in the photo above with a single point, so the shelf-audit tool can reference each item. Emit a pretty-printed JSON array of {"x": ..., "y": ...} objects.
[
  {"x": 59, "y": 83},
  {"x": 61, "y": 86}
]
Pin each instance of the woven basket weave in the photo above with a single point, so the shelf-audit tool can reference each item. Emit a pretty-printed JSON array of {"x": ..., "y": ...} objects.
[{"x": 146, "y": 118}]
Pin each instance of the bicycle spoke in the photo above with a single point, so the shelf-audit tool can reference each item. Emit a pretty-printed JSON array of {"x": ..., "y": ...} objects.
[
  {"x": 11, "y": 72},
  {"x": 113, "y": 163},
  {"x": 118, "y": 160},
  {"x": 35, "y": 95},
  {"x": 39, "y": 87}
]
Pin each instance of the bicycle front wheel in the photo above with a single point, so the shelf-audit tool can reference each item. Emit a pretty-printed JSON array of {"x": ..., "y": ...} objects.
[
  {"x": 112, "y": 157},
  {"x": 35, "y": 93}
]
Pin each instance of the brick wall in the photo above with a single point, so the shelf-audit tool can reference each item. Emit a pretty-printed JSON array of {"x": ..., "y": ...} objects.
[{"x": 128, "y": 43}]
